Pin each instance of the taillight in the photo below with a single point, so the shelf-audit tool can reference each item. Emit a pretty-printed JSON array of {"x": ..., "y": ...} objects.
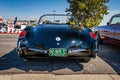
[
  {"x": 93, "y": 35},
  {"x": 22, "y": 34}
]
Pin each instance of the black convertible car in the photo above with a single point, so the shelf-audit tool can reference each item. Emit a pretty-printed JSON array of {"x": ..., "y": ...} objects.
[{"x": 54, "y": 36}]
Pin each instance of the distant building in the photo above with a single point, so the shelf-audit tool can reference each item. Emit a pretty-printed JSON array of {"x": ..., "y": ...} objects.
[{"x": 10, "y": 26}]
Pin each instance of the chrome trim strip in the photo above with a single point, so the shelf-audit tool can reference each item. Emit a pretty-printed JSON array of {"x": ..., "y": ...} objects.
[
  {"x": 46, "y": 51},
  {"x": 19, "y": 44},
  {"x": 38, "y": 50},
  {"x": 77, "y": 50}
]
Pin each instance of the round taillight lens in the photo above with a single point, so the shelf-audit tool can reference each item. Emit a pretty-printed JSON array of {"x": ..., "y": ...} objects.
[
  {"x": 22, "y": 34},
  {"x": 93, "y": 35}
]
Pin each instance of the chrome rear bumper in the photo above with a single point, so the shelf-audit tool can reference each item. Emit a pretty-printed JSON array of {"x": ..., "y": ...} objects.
[
  {"x": 46, "y": 51},
  {"x": 38, "y": 50},
  {"x": 69, "y": 51}
]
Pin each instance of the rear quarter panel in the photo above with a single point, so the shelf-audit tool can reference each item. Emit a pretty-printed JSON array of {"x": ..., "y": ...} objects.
[
  {"x": 106, "y": 31},
  {"x": 117, "y": 33}
]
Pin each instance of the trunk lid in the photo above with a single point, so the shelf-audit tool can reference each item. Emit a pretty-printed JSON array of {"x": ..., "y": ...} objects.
[{"x": 55, "y": 36}]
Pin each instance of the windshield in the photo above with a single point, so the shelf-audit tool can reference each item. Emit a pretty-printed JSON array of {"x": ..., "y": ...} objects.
[
  {"x": 54, "y": 19},
  {"x": 115, "y": 20}
]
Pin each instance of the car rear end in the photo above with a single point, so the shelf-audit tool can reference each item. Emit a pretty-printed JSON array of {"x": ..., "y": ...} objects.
[{"x": 57, "y": 43}]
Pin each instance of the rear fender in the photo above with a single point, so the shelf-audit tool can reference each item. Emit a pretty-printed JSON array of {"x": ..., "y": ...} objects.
[{"x": 93, "y": 42}]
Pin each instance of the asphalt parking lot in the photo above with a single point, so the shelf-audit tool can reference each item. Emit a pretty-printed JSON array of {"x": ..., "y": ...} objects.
[{"x": 107, "y": 62}]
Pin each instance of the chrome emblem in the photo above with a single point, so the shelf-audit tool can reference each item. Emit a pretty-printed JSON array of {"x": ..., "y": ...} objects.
[
  {"x": 58, "y": 43},
  {"x": 73, "y": 41},
  {"x": 58, "y": 39}
]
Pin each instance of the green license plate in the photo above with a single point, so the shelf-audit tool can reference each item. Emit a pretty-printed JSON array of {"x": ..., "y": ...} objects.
[{"x": 58, "y": 52}]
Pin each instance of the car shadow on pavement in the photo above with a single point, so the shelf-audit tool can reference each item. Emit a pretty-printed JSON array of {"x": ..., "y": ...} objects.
[
  {"x": 10, "y": 62},
  {"x": 111, "y": 55}
]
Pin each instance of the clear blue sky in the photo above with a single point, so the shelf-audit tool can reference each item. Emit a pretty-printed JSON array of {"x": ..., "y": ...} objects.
[
  {"x": 114, "y": 8},
  {"x": 33, "y": 9}
]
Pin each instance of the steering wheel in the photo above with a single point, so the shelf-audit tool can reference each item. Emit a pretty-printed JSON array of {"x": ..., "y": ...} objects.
[{"x": 47, "y": 22}]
